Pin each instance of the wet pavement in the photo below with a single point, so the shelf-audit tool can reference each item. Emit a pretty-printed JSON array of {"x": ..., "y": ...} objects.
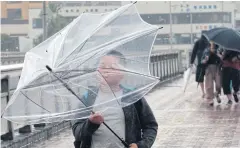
[{"x": 185, "y": 121}]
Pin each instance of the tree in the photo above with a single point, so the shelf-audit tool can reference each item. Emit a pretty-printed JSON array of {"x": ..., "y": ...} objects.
[{"x": 55, "y": 22}]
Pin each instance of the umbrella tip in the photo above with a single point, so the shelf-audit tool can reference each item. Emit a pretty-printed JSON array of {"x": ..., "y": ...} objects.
[
  {"x": 160, "y": 27},
  {"x": 135, "y": 2},
  {"x": 48, "y": 68}
]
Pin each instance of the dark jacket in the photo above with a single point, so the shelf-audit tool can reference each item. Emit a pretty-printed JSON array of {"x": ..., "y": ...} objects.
[
  {"x": 198, "y": 49},
  {"x": 140, "y": 125},
  {"x": 213, "y": 57}
]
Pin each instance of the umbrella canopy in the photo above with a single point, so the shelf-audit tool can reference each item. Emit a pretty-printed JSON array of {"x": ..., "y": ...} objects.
[
  {"x": 96, "y": 54},
  {"x": 227, "y": 38}
]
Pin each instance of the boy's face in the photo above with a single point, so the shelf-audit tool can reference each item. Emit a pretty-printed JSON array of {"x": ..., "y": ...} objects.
[{"x": 106, "y": 68}]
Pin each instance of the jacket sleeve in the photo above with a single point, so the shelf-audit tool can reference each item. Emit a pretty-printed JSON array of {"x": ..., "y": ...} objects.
[
  {"x": 194, "y": 52},
  {"x": 148, "y": 124},
  {"x": 83, "y": 129}
]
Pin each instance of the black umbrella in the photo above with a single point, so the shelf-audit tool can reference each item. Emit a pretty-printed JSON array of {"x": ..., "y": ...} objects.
[{"x": 227, "y": 38}]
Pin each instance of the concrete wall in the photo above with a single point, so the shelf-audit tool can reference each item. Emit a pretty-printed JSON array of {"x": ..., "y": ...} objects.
[{"x": 14, "y": 29}]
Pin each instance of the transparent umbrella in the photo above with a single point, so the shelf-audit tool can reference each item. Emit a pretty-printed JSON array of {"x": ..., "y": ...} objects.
[{"x": 96, "y": 54}]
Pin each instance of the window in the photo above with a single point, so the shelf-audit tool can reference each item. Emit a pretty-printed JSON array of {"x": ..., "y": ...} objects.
[
  {"x": 37, "y": 23},
  {"x": 91, "y": 10},
  {"x": 184, "y": 38},
  {"x": 227, "y": 17},
  {"x": 96, "y": 10},
  {"x": 212, "y": 17},
  {"x": 67, "y": 11},
  {"x": 77, "y": 10},
  {"x": 71, "y": 10},
  {"x": 162, "y": 39},
  {"x": 181, "y": 18},
  {"x": 11, "y": 44},
  {"x": 12, "y": 2},
  {"x": 105, "y": 10},
  {"x": 156, "y": 18},
  {"x": 237, "y": 23},
  {"x": 86, "y": 10},
  {"x": 14, "y": 13}
]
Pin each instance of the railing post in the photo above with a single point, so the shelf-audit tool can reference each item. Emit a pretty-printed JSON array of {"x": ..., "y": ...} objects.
[
  {"x": 175, "y": 64},
  {"x": 151, "y": 65},
  {"x": 171, "y": 64},
  {"x": 5, "y": 88},
  {"x": 180, "y": 62},
  {"x": 167, "y": 65},
  {"x": 164, "y": 66},
  {"x": 161, "y": 66},
  {"x": 157, "y": 65}
]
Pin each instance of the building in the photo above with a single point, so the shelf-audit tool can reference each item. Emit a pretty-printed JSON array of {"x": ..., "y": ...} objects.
[
  {"x": 188, "y": 18},
  {"x": 21, "y": 20},
  {"x": 237, "y": 17},
  {"x": 75, "y": 8}
]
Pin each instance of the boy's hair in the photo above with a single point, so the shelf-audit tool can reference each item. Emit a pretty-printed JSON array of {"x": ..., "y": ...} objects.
[{"x": 118, "y": 55}]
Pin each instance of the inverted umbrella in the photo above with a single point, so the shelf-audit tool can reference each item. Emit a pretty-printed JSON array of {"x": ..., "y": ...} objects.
[
  {"x": 227, "y": 38},
  {"x": 96, "y": 54}
]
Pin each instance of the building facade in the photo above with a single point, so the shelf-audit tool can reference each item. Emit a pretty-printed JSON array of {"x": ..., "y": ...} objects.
[
  {"x": 20, "y": 20},
  {"x": 188, "y": 18}
]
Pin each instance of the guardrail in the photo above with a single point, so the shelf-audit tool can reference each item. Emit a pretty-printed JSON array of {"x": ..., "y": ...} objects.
[
  {"x": 164, "y": 65},
  {"x": 12, "y": 54}
]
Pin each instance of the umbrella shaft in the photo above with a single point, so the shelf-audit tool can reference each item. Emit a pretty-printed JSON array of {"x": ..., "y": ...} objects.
[
  {"x": 69, "y": 89},
  {"x": 123, "y": 142}
]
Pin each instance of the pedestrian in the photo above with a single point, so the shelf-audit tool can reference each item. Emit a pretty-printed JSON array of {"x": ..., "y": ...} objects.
[
  {"x": 198, "y": 50},
  {"x": 212, "y": 73},
  {"x": 230, "y": 75},
  {"x": 135, "y": 123}
]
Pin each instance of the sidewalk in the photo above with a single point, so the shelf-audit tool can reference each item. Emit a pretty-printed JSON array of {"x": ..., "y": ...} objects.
[{"x": 185, "y": 121}]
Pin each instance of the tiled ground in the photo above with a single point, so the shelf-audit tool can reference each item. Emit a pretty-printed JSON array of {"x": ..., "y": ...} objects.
[{"x": 185, "y": 121}]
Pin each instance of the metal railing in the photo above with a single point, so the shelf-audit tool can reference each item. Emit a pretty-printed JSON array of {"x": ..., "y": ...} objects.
[{"x": 164, "y": 65}]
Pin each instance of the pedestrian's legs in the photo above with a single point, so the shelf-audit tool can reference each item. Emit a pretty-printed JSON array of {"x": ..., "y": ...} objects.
[
  {"x": 235, "y": 83},
  {"x": 218, "y": 84},
  {"x": 200, "y": 77},
  {"x": 209, "y": 84},
  {"x": 202, "y": 88},
  {"x": 226, "y": 82}
]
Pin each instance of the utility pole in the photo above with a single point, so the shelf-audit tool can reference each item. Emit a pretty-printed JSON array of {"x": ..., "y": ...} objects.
[
  {"x": 222, "y": 16},
  {"x": 171, "y": 35},
  {"x": 44, "y": 21},
  {"x": 191, "y": 23}
]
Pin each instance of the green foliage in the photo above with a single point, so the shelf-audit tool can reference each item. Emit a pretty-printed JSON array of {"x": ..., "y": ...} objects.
[{"x": 55, "y": 22}]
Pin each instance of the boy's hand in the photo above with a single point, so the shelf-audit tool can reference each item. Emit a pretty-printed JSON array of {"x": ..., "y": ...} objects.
[
  {"x": 133, "y": 145},
  {"x": 205, "y": 60},
  {"x": 96, "y": 118}
]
